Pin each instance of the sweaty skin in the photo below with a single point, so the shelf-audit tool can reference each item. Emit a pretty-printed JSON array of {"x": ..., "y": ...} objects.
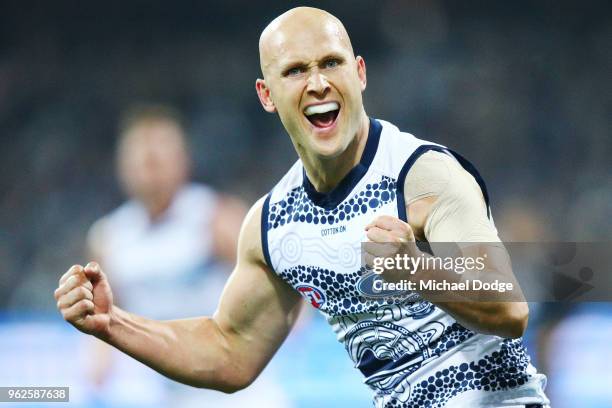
[{"x": 306, "y": 59}]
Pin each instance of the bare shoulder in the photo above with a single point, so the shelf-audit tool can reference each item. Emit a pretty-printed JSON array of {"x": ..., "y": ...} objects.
[
  {"x": 254, "y": 295},
  {"x": 249, "y": 243},
  {"x": 429, "y": 175},
  {"x": 437, "y": 181},
  {"x": 435, "y": 173}
]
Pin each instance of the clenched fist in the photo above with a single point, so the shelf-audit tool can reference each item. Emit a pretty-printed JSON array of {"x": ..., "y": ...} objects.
[
  {"x": 389, "y": 236},
  {"x": 85, "y": 299},
  {"x": 388, "y": 229}
]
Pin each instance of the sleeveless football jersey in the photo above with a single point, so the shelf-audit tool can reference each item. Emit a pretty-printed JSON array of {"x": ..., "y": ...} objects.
[{"x": 410, "y": 352}]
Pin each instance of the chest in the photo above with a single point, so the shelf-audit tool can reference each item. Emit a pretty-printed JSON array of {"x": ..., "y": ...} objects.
[{"x": 318, "y": 251}]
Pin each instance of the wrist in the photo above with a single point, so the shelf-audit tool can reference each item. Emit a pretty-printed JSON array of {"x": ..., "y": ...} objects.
[{"x": 108, "y": 332}]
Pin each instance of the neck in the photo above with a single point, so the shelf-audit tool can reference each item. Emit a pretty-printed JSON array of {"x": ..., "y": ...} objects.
[{"x": 326, "y": 173}]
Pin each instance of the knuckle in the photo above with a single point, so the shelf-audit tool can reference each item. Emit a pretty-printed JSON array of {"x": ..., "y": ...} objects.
[
  {"x": 88, "y": 294},
  {"x": 80, "y": 306},
  {"x": 85, "y": 305},
  {"x": 69, "y": 272},
  {"x": 82, "y": 292},
  {"x": 62, "y": 303}
]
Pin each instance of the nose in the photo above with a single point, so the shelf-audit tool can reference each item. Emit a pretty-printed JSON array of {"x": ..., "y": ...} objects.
[{"x": 317, "y": 83}]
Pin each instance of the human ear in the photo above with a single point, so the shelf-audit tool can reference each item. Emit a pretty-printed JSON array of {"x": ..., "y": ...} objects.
[
  {"x": 263, "y": 92},
  {"x": 361, "y": 72}
]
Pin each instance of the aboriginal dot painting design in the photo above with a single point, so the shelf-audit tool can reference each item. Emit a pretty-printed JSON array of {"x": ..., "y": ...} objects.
[
  {"x": 340, "y": 290},
  {"x": 453, "y": 335},
  {"x": 297, "y": 207},
  {"x": 500, "y": 370}
]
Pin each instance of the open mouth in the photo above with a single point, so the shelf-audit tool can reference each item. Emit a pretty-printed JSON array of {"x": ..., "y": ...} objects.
[{"x": 323, "y": 115}]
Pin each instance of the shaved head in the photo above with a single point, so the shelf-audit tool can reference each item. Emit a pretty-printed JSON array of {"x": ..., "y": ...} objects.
[
  {"x": 313, "y": 81},
  {"x": 274, "y": 39}
]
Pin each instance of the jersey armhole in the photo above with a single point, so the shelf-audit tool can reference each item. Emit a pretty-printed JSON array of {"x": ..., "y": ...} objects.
[
  {"x": 401, "y": 201},
  {"x": 264, "y": 231}
]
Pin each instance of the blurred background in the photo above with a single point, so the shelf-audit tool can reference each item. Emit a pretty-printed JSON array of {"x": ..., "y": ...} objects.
[{"x": 521, "y": 88}]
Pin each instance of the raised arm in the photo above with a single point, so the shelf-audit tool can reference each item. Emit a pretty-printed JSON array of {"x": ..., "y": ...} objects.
[
  {"x": 455, "y": 211},
  {"x": 225, "y": 352},
  {"x": 444, "y": 204}
]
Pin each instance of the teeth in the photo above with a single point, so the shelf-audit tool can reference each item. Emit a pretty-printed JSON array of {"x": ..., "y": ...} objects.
[{"x": 323, "y": 108}]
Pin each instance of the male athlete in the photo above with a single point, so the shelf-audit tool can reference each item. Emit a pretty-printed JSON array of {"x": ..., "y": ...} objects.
[{"x": 357, "y": 179}]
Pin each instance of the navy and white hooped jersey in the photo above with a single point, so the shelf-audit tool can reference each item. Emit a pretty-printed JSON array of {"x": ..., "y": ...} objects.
[{"x": 411, "y": 352}]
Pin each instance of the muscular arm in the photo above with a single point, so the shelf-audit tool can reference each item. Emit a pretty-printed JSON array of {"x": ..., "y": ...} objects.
[
  {"x": 445, "y": 204},
  {"x": 225, "y": 352}
]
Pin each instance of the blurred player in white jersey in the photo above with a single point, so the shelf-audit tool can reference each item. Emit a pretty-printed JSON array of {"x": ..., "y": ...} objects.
[
  {"x": 169, "y": 249},
  {"x": 357, "y": 179}
]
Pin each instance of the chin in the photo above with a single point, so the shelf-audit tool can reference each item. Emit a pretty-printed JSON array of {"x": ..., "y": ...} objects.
[{"x": 328, "y": 150}]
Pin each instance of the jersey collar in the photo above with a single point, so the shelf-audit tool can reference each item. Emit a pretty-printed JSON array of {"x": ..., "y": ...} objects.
[{"x": 334, "y": 197}]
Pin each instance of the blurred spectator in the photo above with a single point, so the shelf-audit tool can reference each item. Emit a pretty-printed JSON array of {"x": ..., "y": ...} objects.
[{"x": 167, "y": 252}]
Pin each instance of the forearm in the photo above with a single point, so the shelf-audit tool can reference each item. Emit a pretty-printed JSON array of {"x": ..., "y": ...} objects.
[
  {"x": 225, "y": 352},
  {"x": 192, "y": 351},
  {"x": 499, "y": 312},
  {"x": 501, "y": 318},
  {"x": 504, "y": 319},
  {"x": 502, "y": 313},
  {"x": 446, "y": 205}
]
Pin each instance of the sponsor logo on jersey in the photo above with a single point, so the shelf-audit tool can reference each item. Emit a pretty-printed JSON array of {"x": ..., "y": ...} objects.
[
  {"x": 314, "y": 295},
  {"x": 333, "y": 230}
]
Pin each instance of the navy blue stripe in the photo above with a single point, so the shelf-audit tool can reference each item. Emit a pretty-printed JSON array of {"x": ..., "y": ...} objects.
[
  {"x": 472, "y": 170},
  {"x": 401, "y": 202},
  {"x": 452, "y": 336},
  {"x": 332, "y": 199},
  {"x": 370, "y": 364},
  {"x": 264, "y": 231}
]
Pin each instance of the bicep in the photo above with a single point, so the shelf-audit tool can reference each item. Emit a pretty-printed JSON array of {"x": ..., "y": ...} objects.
[{"x": 257, "y": 309}]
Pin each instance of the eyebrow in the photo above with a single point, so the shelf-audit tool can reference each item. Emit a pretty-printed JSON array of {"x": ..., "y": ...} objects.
[
  {"x": 292, "y": 64},
  {"x": 299, "y": 63}
]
